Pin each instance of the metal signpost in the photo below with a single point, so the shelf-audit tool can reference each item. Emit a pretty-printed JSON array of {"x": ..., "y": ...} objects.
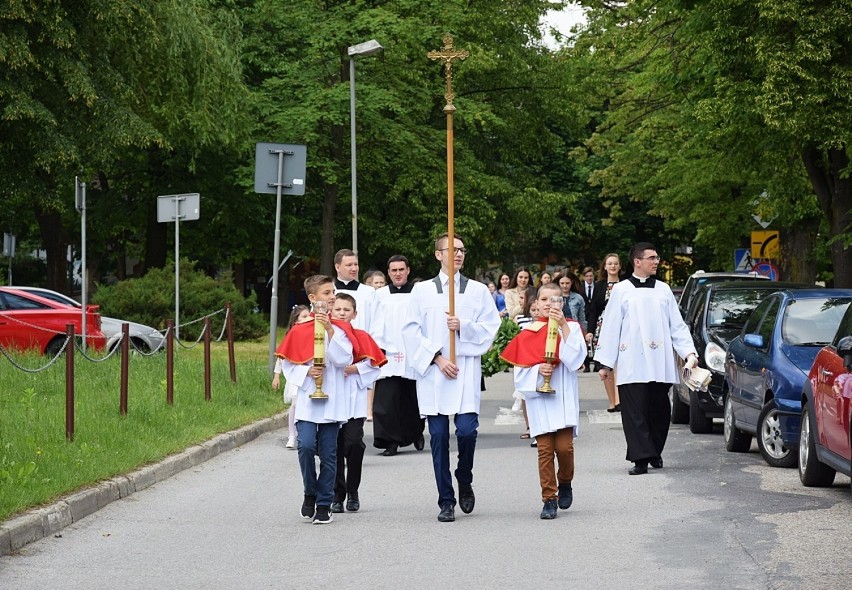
[
  {"x": 175, "y": 208},
  {"x": 271, "y": 175},
  {"x": 9, "y": 252},
  {"x": 80, "y": 204}
]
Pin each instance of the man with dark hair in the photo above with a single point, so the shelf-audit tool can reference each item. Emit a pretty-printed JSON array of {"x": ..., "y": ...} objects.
[
  {"x": 346, "y": 267},
  {"x": 396, "y": 415},
  {"x": 448, "y": 386},
  {"x": 641, "y": 326}
]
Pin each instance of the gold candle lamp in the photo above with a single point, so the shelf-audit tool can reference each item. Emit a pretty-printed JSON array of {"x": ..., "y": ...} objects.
[
  {"x": 550, "y": 344},
  {"x": 319, "y": 348}
]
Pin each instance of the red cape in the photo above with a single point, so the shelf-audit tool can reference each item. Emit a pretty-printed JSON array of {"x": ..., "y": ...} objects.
[
  {"x": 527, "y": 348},
  {"x": 298, "y": 345}
]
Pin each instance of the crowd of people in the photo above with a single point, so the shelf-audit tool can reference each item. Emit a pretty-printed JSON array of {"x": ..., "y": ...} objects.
[{"x": 396, "y": 354}]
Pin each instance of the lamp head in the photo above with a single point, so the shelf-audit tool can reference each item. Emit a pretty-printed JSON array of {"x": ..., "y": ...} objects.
[{"x": 370, "y": 47}]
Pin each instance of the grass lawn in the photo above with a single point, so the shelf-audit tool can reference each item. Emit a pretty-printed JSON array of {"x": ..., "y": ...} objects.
[{"x": 38, "y": 464}]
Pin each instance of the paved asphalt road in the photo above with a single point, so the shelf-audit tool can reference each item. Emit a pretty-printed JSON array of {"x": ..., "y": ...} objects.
[{"x": 709, "y": 519}]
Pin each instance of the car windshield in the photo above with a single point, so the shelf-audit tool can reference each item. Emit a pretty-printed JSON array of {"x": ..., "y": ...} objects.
[
  {"x": 813, "y": 322},
  {"x": 731, "y": 309}
]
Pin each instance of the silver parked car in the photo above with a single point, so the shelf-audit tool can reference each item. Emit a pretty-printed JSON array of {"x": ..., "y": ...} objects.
[{"x": 145, "y": 338}]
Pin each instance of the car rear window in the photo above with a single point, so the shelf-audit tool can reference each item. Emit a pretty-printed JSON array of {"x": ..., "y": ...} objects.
[{"x": 813, "y": 321}]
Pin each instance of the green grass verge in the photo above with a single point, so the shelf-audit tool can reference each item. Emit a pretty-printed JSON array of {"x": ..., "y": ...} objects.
[{"x": 38, "y": 464}]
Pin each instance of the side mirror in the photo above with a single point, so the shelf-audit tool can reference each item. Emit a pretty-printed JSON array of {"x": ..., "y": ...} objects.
[
  {"x": 844, "y": 351},
  {"x": 753, "y": 340}
]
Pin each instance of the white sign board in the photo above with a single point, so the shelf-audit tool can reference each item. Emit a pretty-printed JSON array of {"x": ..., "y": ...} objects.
[{"x": 188, "y": 207}]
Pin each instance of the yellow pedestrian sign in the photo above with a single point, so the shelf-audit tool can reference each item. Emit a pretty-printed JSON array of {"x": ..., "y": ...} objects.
[{"x": 765, "y": 244}]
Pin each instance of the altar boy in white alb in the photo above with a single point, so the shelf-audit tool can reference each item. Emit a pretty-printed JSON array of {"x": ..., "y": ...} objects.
[
  {"x": 445, "y": 388},
  {"x": 553, "y": 417},
  {"x": 318, "y": 420}
]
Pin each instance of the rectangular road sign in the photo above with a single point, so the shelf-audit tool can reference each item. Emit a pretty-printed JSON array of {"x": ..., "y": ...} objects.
[
  {"x": 292, "y": 173},
  {"x": 742, "y": 260},
  {"x": 765, "y": 244},
  {"x": 188, "y": 207}
]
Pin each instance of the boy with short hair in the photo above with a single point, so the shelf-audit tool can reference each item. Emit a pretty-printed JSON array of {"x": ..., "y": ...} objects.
[
  {"x": 318, "y": 420},
  {"x": 553, "y": 417},
  {"x": 360, "y": 376}
]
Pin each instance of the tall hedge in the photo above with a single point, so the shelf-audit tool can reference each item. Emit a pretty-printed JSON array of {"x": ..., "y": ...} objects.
[{"x": 150, "y": 300}]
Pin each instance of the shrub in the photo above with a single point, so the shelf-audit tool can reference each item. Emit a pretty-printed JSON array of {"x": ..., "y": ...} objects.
[
  {"x": 150, "y": 300},
  {"x": 491, "y": 361}
]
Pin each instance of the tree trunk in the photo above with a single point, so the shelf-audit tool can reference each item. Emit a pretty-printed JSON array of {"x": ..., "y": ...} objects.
[
  {"x": 155, "y": 240},
  {"x": 797, "y": 246},
  {"x": 329, "y": 204},
  {"x": 55, "y": 243},
  {"x": 834, "y": 193}
]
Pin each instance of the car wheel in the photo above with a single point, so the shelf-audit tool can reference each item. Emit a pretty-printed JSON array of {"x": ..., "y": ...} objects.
[
  {"x": 54, "y": 346},
  {"x": 699, "y": 423},
  {"x": 139, "y": 345},
  {"x": 736, "y": 441},
  {"x": 769, "y": 440},
  {"x": 812, "y": 473},
  {"x": 680, "y": 411}
]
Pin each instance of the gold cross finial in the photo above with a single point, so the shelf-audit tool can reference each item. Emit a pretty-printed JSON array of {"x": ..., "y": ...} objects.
[{"x": 448, "y": 55}]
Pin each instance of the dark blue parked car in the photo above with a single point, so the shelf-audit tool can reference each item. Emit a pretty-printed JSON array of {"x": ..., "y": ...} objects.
[{"x": 767, "y": 364}]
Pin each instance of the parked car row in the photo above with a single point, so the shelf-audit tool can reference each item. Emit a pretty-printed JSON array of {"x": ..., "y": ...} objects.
[
  {"x": 30, "y": 322},
  {"x": 780, "y": 356},
  {"x": 34, "y": 318},
  {"x": 145, "y": 338}
]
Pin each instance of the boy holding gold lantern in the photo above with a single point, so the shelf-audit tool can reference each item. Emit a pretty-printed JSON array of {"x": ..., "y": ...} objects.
[
  {"x": 546, "y": 355},
  {"x": 314, "y": 355}
]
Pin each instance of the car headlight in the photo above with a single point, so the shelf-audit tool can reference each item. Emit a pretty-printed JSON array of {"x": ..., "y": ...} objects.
[{"x": 714, "y": 357}]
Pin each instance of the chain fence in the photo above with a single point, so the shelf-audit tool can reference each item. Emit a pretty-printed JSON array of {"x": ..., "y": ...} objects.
[{"x": 117, "y": 345}]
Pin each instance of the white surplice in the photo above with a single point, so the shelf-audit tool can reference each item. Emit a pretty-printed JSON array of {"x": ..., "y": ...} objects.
[
  {"x": 640, "y": 327},
  {"x": 388, "y": 320},
  {"x": 425, "y": 333},
  {"x": 358, "y": 384},
  {"x": 549, "y": 412},
  {"x": 338, "y": 355},
  {"x": 365, "y": 300}
]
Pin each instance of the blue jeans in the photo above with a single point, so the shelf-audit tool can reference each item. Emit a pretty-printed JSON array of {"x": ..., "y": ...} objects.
[
  {"x": 439, "y": 442},
  {"x": 318, "y": 439}
]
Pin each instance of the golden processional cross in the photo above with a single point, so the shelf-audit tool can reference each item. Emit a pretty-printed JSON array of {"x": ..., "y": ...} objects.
[{"x": 447, "y": 55}]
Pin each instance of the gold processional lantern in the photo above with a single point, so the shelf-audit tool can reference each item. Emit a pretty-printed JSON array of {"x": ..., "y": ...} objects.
[
  {"x": 550, "y": 344},
  {"x": 319, "y": 348}
]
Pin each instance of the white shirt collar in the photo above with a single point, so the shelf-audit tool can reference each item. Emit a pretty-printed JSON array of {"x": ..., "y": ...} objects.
[{"x": 445, "y": 278}]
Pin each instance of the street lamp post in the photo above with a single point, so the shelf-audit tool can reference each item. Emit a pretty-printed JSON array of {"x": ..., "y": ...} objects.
[{"x": 370, "y": 47}]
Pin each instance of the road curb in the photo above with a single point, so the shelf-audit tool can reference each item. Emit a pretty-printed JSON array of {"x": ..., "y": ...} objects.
[{"x": 38, "y": 523}]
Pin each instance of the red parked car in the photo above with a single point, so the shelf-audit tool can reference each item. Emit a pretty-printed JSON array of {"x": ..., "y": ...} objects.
[
  {"x": 29, "y": 322},
  {"x": 825, "y": 446}
]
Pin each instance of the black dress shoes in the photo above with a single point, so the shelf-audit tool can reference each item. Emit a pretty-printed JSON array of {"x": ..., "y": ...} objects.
[
  {"x": 391, "y": 451},
  {"x": 420, "y": 443},
  {"x": 638, "y": 469},
  {"x": 656, "y": 463},
  {"x": 353, "y": 504},
  {"x": 337, "y": 507},
  {"x": 466, "y": 500},
  {"x": 448, "y": 513}
]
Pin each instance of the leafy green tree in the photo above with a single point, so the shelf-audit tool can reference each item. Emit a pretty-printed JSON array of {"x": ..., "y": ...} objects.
[
  {"x": 93, "y": 88},
  {"x": 705, "y": 107}
]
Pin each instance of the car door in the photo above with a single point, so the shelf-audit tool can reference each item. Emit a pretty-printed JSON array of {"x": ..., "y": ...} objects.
[
  {"x": 752, "y": 367},
  {"x": 17, "y": 329},
  {"x": 830, "y": 404}
]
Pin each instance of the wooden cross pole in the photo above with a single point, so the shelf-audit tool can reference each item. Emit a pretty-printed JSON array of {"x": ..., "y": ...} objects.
[{"x": 447, "y": 55}]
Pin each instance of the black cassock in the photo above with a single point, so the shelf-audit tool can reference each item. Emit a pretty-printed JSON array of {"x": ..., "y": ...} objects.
[{"x": 396, "y": 415}]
